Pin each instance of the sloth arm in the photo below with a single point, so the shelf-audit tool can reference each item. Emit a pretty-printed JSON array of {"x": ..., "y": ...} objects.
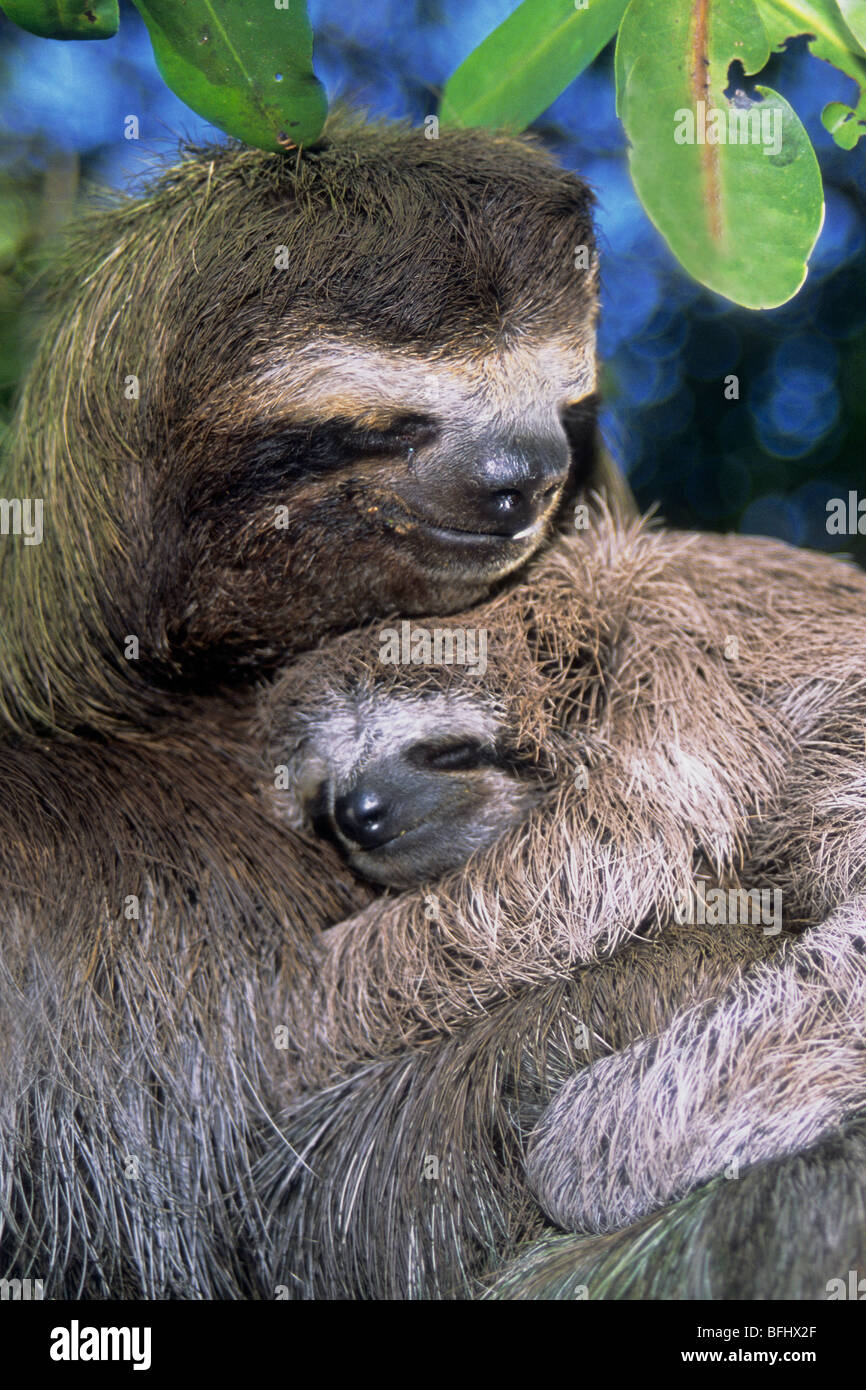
[
  {"x": 675, "y": 745},
  {"x": 585, "y": 874},
  {"x": 780, "y": 1059},
  {"x": 773, "y": 1067}
]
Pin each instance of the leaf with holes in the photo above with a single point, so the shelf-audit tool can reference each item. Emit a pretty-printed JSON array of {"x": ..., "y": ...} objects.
[
  {"x": 731, "y": 182},
  {"x": 247, "y": 67},
  {"x": 65, "y": 19},
  {"x": 832, "y": 40}
]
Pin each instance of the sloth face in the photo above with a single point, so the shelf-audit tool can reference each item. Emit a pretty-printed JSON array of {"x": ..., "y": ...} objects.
[
  {"x": 367, "y": 481},
  {"x": 407, "y": 788},
  {"x": 378, "y": 388}
]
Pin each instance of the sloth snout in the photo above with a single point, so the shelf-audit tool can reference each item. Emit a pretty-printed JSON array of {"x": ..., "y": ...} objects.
[{"x": 364, "y": 816}]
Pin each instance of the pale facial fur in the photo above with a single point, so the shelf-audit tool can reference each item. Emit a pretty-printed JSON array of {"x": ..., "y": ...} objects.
[
  {"x": 407, "y": 788},
  {"x": 527, "y": 385}
]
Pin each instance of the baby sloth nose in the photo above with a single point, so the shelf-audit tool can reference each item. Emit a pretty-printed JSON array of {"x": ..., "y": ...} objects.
[
  {"x": 520, "y": 484},
  {"x": 362, "y": 816}
]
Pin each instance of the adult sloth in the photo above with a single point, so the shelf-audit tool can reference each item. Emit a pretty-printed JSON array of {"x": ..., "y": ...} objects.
[{"x": 272, "y": 399}]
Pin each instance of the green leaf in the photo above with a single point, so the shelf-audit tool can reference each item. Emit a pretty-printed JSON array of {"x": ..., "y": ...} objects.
[
  {"x": 840, "y": 121},
  {"x": 524, "y": 64},
  {"x": 244, "y": 65},
  {"x": 14, "y": 226},
  {"x": 854, "y": 14},
  {"x": 65, "y": 19},
  {"x": 833, "y": 41},
  {"x": 742, "y": 217}
]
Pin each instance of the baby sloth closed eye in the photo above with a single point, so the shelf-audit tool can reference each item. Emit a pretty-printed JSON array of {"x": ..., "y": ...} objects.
[{"x": 407, "y": 771}]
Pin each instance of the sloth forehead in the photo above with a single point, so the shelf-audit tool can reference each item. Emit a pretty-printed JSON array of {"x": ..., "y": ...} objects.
[
  {"x": 358, "y": 728},
  {"x": 330, "y": 376}
]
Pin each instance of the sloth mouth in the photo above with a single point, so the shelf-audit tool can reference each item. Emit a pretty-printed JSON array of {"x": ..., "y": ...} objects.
[
  {"x": 454, "y": 536},
  {"x": 391, "y": 862},
  {"x": 400, "y": 519},
  {"x": 382, "y": 863},
  {"x": 387, "y": 847}
]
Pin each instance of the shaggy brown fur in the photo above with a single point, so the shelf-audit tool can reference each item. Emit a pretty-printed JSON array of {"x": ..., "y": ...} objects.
[
  {"x": 406, "y": 1179},
  {"x": 153, "y": 922},
  {"x": 353, "y": 369},
  {"x": 614, "y": 655},
  {"x": 779, "y": 1065},
  {"x": 608, "y": 661},
  {"x": 424, "y": 314},
  {"x": 422, "y": 329}
]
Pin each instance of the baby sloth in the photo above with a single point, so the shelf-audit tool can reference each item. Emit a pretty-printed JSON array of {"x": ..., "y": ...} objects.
[
  {"x": 408, "y": 777},
  {"x": 654, "y": 706}
]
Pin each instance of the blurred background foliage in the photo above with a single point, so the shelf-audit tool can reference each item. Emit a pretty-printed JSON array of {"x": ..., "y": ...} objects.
[{"x": 766, "y": 463}]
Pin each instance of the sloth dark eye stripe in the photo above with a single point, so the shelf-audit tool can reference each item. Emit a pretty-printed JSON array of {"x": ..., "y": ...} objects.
[
  {"x": 334, "y": 443},
  {"x": 263, "y": 462}
]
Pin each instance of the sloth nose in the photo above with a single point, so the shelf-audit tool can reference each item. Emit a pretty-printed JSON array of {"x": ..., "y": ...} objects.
[
  {"x": 362, "y": 817},
  {"x": 520, "y": 485}
]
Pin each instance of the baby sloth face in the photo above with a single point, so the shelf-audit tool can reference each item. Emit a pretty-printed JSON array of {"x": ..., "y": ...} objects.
[{"x": 407, "y": 785}]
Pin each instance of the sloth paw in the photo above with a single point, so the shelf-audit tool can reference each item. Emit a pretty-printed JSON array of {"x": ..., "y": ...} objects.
[
  {"x": 603, "y": 1154},
  {"x": 771, "y": 1070}
]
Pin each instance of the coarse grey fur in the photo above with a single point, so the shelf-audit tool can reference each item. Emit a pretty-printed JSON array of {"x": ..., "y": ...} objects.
[
  {"x": 365, "y": 342},
  {"x": 142, "y": 1084},
  {"x": 743, "y": 757},
  {"x": 792, "y": 1228},
  {"x": 781, "y": 1062}
]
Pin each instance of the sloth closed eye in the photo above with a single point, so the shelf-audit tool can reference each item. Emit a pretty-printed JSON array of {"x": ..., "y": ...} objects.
[{"x": 451, "y": 757}]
